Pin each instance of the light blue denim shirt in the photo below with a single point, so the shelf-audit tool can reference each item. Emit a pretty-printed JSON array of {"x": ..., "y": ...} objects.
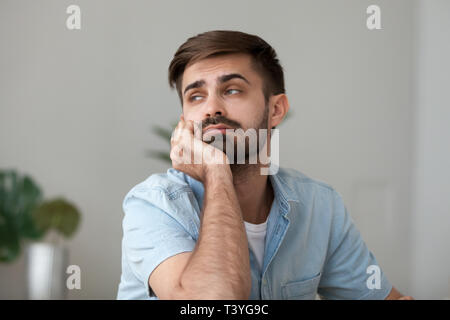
[{"x": 312, "y": 245}]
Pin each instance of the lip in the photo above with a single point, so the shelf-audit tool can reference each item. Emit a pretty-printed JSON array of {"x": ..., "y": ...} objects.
[{"x": 219, "y": 127}]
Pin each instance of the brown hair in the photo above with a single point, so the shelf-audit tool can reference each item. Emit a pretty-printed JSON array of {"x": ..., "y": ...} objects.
[{"x": 221, "y": 42}]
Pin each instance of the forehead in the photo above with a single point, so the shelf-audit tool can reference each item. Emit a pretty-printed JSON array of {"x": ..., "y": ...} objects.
[{"x": 210, "y": 68}]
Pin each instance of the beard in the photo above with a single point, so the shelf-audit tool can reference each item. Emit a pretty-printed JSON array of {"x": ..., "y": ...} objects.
[{"x": 243, "y": 150}]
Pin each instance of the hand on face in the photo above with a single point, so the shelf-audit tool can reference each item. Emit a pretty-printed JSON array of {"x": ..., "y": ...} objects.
[{"x": 191, "y": 155}]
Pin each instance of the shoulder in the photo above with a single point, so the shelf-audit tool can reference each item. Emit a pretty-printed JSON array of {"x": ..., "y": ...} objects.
[
  {"x": 312, "y": 201},
  {"x": 303, "y": 187},
  {"x": 167, "y": 185},
  {"x": 160, "y": 195},
  {"x": 170, "y": 192}
]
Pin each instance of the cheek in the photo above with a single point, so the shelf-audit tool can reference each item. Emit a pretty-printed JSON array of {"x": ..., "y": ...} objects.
[
  {"x": 250, "y": 115},
  {"x": 192, "y": 115},
  {"x": 246, "y": 110}
]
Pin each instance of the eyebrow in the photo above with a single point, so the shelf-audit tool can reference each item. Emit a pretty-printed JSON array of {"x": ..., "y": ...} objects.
[{"x": 220, "y": 80}]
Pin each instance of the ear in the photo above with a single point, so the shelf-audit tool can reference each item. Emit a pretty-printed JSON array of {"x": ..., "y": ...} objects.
[{"x": 278, "y": 110}]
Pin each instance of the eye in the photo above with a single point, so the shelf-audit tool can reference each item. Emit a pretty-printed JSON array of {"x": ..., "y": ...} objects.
[
  {"x": 192, "y": 98},
  {"x": 233, "y": 90}
]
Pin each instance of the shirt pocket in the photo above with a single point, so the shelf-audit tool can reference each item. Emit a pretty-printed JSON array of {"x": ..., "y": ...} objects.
[{"x": 301, "y": 290}]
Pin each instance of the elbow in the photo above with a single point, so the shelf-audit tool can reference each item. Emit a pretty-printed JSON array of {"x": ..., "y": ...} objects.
[
  {"x": 235, "y": 287},
  {"x": 208, "y": 292}
]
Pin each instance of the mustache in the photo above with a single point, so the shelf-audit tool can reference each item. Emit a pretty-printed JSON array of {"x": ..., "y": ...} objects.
[{"x": 220, "y": 120}]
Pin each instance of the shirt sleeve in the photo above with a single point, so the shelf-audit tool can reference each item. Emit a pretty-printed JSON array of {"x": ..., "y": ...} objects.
[
  {"x": 350, "y": 270},
  {"x": 150, "y": 237}
]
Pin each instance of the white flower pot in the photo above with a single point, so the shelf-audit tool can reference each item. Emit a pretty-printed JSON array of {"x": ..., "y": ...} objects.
[{"x": 46, "y": 271}]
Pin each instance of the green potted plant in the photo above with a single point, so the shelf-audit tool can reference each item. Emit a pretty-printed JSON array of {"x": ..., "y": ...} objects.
[{"x": 25, "y": 220}]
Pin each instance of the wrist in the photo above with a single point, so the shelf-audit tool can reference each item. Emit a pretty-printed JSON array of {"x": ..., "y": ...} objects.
[{"x": 218, "y": 173}]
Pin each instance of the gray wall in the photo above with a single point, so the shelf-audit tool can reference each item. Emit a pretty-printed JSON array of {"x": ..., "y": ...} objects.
[
  {"x": 431, "y": 173},
  {"x": 76, "y": 109}
]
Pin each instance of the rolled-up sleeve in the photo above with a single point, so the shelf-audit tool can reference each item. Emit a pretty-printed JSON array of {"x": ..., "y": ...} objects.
[
  {"x": 350, "y": 267},
  {"x": 150, "y": 236}
]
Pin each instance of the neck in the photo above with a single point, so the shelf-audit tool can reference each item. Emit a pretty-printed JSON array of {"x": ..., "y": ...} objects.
[{"x": 254, "y": 192}]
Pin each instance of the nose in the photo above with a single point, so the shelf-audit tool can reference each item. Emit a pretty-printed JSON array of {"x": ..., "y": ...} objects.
[{"x": 214, "y": 107}]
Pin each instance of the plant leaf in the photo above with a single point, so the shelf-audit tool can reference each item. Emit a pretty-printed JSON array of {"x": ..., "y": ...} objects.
[
  {"x": 18, "y": 198},
  {"x": 163, "y": 133},
  {"x": 160, "y": 155},
  {"x": 31, "y": 196},
  {"x": 9, "y": 240},
  {"x": 57, "y": 214}
]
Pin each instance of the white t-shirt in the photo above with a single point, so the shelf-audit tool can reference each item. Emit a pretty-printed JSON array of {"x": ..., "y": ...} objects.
[{"x": 256, "y": 234}]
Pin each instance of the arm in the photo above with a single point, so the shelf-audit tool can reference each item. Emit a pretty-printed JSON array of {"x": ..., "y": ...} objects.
[
  {"x": 345, "y": 274},
  {"x": 396, "y": 295},
  {"x": 219, "y": 267}
]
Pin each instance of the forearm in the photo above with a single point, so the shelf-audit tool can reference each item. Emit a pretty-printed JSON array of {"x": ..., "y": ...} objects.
[
  {"x": 396, "y": 295},
  {"x": 219, "y": 267}
]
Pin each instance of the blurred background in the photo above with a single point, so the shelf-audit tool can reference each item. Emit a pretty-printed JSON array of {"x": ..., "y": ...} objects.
[{"x": 370, "y": 117}]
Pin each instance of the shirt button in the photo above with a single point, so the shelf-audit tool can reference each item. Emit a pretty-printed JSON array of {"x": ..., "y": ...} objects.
[{"x": 266, "y": 293}]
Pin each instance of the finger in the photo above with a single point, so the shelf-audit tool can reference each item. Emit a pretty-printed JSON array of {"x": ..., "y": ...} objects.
[
  {"x": 178, "y": 133},
  {"x": 182, "y": 136},
  {"x": 187, "y": 127},
  {"x": 198, "y": 130},
  {"x": 175, "y": 134},
  {"x": 182, "y": 123},
  {"x": 190, "y": 126},
  {"x": 176, "y": 155}
]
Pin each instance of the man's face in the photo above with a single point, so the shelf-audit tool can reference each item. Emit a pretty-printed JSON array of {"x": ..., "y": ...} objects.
[{"x": 224, "y": 90}]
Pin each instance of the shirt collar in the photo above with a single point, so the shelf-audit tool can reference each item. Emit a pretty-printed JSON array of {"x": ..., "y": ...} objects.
[{"x": 283, "y": 192}]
